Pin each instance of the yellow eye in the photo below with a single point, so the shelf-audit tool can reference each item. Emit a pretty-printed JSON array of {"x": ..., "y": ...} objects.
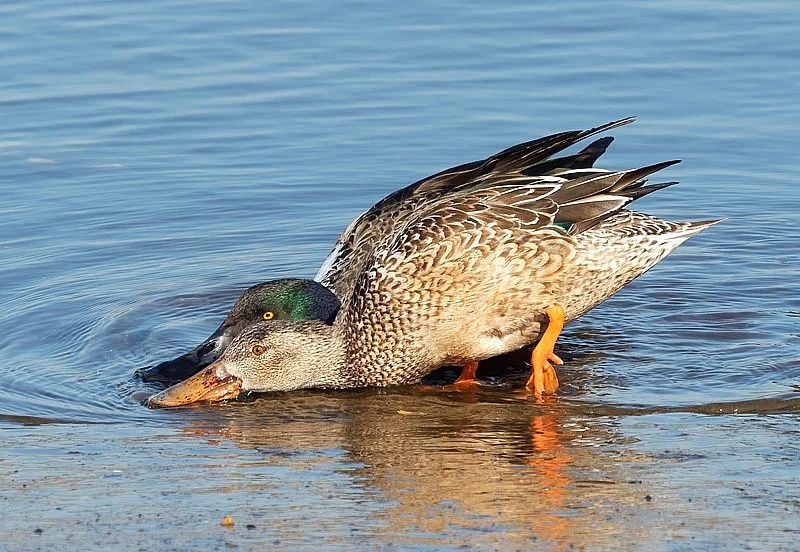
[
  {"x": 258, "y": 350},
  {"x": 269, "y": 315}
]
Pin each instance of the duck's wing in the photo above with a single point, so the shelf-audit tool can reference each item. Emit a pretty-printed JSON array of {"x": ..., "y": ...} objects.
[
  {"x": 483, "y": 262},
  {"x": 381, "y": 221}
]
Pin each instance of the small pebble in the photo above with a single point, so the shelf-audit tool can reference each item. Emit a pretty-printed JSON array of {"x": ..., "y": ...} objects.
[{"x": 648, "y": 498}]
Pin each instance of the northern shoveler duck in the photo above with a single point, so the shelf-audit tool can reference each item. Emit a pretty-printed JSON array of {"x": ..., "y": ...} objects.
[
  {"x": 319, "y": 299},
  {"x": 476, "y": 261}
]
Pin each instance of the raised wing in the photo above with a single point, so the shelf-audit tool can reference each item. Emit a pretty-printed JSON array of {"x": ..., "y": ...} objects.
[{"x": 384, "y": 219}]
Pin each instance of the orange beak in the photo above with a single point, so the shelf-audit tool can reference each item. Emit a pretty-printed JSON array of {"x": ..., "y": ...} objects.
[{"x": 212, "y": 384}]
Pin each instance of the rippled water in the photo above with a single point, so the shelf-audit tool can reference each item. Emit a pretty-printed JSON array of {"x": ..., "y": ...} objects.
[{"x": 157, "y": 158}]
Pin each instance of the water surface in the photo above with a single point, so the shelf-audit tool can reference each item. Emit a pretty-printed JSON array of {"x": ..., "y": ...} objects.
[{"x": 159, "y": 157}]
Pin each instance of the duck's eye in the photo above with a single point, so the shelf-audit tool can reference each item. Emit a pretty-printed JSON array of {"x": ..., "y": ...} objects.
[
  {"x": 269, "y": 315},
  {"x": 258, "y": 350}
]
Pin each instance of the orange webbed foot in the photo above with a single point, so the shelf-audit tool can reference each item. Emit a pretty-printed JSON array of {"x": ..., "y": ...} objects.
[{"x": 543, "y": 376}]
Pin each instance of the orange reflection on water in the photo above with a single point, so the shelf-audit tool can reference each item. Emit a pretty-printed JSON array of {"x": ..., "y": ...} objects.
[{"x": 549, "y": 461}]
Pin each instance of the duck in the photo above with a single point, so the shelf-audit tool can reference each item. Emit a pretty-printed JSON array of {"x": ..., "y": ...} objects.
[
  {"x": 499, "y": 258},
  {"x": 295, "y": 299}
]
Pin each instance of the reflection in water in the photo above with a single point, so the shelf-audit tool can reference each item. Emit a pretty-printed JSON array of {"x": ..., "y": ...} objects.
[
  {"x": 439, "y": 467},
  {"x": 444, "y": 463},
  {"x": 408, "y": 467},
  {"x": 549, "y": 461}
]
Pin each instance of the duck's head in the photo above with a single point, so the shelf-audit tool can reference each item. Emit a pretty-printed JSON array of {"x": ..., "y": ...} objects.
[
  {"x": 268, "y": 303},
  {"x": 267, "y": 356}
]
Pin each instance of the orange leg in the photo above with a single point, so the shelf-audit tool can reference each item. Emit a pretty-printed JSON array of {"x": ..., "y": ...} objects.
[
  {"x": 467, "y": 376},
  {"x": 543, "y": 376}
]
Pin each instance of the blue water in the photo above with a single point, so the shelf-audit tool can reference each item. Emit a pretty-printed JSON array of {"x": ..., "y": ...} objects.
[{"x": 156, "y": 158}]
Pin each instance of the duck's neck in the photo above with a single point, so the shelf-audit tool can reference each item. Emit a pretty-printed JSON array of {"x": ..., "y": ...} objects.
[
  {"x": 356, "y": 352},
  {"x": 326, "y": 365},
  {"x": 371, "y": 358},
  {"x": 341, "y": 358}
]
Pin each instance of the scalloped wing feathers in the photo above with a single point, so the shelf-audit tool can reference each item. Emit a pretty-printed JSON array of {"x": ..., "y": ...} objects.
[{"x": 532, "y": 159}]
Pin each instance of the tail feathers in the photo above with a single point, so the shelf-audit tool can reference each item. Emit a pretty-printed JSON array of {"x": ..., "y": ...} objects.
[
  {"x": 681, "y": 231},
  {"x": 698, "y": 226},
  {"x": 703, "y": 224},
  {"x": 622, "y": 248},
  {"x": 627, "y": 224}
]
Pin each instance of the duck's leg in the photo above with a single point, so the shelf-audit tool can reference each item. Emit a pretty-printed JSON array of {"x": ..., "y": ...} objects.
[
  {"x": 467, "y": 376},
  {"x": 543, "y": 376}
]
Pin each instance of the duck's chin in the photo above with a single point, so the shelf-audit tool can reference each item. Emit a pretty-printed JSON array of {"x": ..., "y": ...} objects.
[{"x": 212, "y": 384}]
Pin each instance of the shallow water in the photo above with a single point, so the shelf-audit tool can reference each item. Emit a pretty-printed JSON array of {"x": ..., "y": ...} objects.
[{"x": 158, "y": 158}]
